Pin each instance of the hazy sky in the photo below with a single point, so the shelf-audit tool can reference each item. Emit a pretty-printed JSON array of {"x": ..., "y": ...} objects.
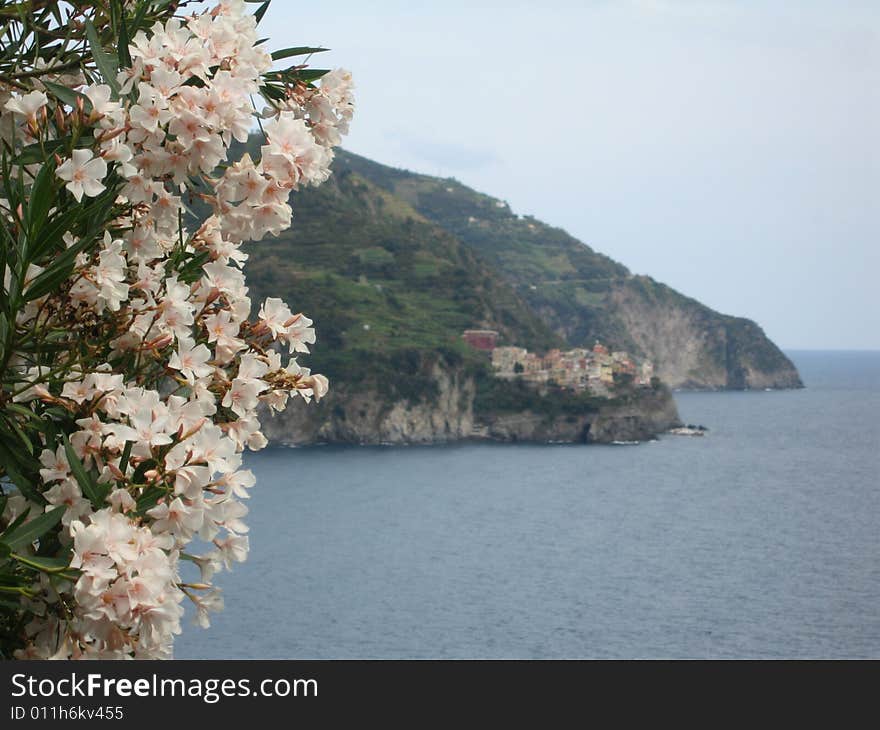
[{"x": 729, "y": 149}]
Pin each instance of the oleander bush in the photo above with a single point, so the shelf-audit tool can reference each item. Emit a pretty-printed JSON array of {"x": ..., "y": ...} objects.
[{"x": 132, "y": 361}]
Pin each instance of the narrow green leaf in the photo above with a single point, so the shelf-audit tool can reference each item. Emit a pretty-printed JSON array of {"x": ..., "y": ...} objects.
[
  {"x": 139, "y": 473},
  {"x": 17, "y": 521},
  {"x": 149, "y": 499},
  {"x": 46, "y": 565},
  {"x": 13, "y": 467},
  {"x": 104, "y": 61},
  {"x": 60, "y": 269},
  {"x": 50, "y": 280},
  {"x": 143, "y": 8},
  {"x": 272, "y": 92},
  {"x": 299, "y": 51},
  {"x": 68, "y": 96},
  {"x": 22, "y": 411},
  {"x": 124, "y": 53},
  {"x": 28, "y": 532},
  {"x": 51, "y": 236},
  {"x": 24, "y": 447},
  {"x": 126, "y": 454},
  {"x": 311, "y": 74},
  {"x": 41, "y": 199},
  {"x": 4, "y": 328},
  {"x": 35, "y": 153},
  {"x": 261, "y": 11},
  {"x": 89, "y": 489}
]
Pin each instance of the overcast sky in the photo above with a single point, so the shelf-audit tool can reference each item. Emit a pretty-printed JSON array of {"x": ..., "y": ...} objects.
[{"x": 729, "y": 149}]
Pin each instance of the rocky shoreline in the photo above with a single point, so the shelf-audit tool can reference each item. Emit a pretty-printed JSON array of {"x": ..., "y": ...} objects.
[{"x": 366, "y": 417}]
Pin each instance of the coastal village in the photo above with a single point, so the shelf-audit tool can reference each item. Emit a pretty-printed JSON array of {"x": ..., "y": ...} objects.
[{"x": 597, "y": 370}]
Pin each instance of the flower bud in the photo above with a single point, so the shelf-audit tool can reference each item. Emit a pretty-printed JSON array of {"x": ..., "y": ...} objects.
[{"x": 60, "y": 121}]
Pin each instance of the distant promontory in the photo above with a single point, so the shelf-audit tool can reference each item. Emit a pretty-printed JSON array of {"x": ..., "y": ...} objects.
[{"x": 394, "y": 266}]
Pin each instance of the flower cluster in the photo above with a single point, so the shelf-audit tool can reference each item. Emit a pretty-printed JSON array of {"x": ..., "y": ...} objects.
[{"x": 166, "y": 372}]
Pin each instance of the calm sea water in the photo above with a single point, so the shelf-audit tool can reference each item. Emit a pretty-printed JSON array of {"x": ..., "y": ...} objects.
[{"x": 760, "y": 540}]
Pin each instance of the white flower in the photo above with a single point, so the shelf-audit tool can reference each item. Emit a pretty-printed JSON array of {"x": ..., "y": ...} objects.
[
  {"x": 28, "y": 105},
  {"x": 191, "y": 360},
  {"x": 55, "y": 465},
  {"x": 300, "y": 334},
  {"x": 148, "y": 426},
  {"x": 233, "y": 548},
  {"x": 109, "y": 276},
  {"x": 177, "y": 518},
  {"x": 275, "y": 314},
  {"x": 83, "y": 173},
  {"x": 241, "y": 397},
  {"x": 293, "y": 155},
  {"x": 211, "y": 601}
]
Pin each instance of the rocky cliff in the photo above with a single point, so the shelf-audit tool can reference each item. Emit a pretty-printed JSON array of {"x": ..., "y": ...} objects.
[
  {"x": 641, "y": 418},
  {"x": 367, "y": 416},
  {"x": 694, "y": 347}
]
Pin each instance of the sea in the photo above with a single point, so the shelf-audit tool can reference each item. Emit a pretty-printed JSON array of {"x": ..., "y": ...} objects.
[{"x": 759, "y": 540}]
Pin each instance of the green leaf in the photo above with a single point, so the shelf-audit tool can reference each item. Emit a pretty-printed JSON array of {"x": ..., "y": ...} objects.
[
  {"x": 17, "y": 521},
  {"x": 4, "y": 328},
  {"x": 126, "y": 454},
  {"x": 104, "y": 61},
  {"x": 143, "y": 9},
  {"x": 272, "y": 92},
  {"x": 149, "y": 499},
  {"x": 52, "y": 233},
  {"x": 311, "y": 74},
  {"x": 25, "y": 534},
  {"x": 299, "y": 51},
  {"x": 13, "y": 465},
  {"x": 90, "y": 489},
  {"x": 22, "y": 411},
  {"x": 41, "y": 199},
  {"x": 261, "y": 11},
  {"x": 142, "y": 469},
  {"x": 34, "y": 153},
  {"x": 59, "y": 270},
  {"x": 69, "y": 96},
  {"x": 46, "y": 565},
  {"x": 124, "y": 53}
]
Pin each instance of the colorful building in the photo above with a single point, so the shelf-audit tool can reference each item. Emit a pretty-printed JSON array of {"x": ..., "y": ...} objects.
[
  {"x": 597, "y": 370},
  {"x": 481, "y": 339}
]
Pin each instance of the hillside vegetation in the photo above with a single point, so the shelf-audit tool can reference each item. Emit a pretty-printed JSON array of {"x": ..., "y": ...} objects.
[
  {"x": 390, "y": 291},
  {"x": 583, "y": 295},
  {"x": 393, "y": 266}
]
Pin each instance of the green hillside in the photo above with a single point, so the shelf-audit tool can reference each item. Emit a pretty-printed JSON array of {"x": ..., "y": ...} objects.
[
  {"x": 582, "y": 295},
  {"x": 389, "y": 290},
  {"x": 560, "y": 277},
  {"x": 393, "y": 266}
]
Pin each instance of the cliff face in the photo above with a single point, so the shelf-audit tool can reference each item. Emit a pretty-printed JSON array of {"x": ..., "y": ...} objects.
[
  {"x": 641, "y": 419},
  {"x": 693, "y": 347},
  {"x": 366, "y": 416}
]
